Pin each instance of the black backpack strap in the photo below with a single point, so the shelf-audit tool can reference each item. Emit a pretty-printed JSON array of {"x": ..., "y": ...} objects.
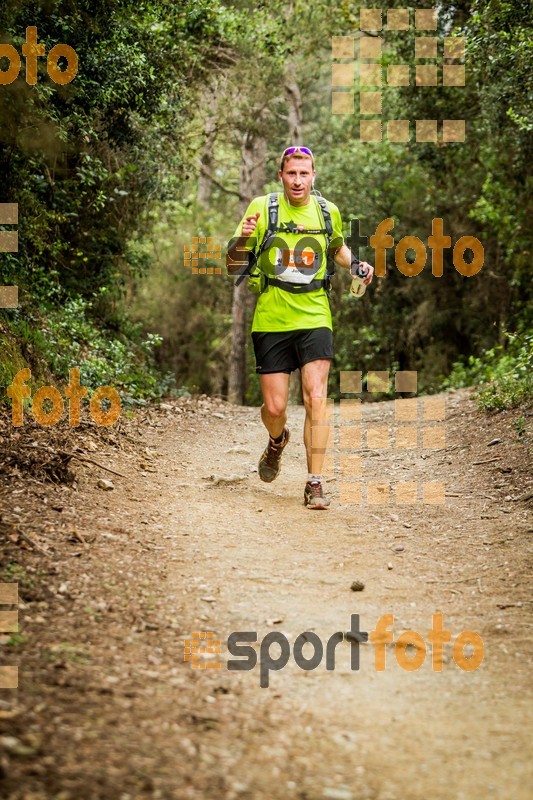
[
  {"x": 272, "y": 213},
  {"x": 270, "y": 234},
  {"x": 326, "y": 215},
  {"x": 317, "y": 283},
  {"x": 330, "y": 263},
  {"x": 298, "y": 288}
]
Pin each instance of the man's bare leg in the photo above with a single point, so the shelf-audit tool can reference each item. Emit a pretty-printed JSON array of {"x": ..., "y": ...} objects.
[
  {"x": 315, "y": 390},
  {"x": 275, "y": 389}
]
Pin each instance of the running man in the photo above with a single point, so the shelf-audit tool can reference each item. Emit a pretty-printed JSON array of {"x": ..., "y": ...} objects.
[{"x": 291, "y": 235}]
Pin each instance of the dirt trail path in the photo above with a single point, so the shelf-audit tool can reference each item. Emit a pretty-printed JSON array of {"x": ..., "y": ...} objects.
[{"x": 108, "y": 709}]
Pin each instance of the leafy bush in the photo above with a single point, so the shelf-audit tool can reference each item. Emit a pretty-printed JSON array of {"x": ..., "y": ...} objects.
[
  {"x": 504, "y": 375},
  {"x": 69, "y": 337}
]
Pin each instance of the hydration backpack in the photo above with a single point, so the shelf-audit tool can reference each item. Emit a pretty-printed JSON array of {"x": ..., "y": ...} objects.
[{"x": 259, "y": 281}]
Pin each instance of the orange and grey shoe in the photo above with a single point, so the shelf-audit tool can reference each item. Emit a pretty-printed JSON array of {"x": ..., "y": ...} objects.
[
  {"x": 270, "y": 461},
  {"x": 314, "y": 496}
]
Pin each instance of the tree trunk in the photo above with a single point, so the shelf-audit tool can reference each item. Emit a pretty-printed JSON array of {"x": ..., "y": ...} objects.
[
  {"x": 294, "y": 102},
  {"x": 205, "y": 185},
  {"x": 251, "y": 180}
]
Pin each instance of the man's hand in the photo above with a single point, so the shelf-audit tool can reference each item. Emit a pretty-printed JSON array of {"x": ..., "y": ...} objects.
[
  {"x": 238, "y": 253},
  {"x": 343, "y": 257},
  {"x": 249, "y": 224},
  {"x": 369, "y": 269}
]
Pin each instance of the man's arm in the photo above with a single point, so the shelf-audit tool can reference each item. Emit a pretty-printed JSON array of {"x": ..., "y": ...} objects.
[
  {"x": 237, "y": 255},
  {"x": 343, "y": 258},
  {"x": 342, "y": 255}
]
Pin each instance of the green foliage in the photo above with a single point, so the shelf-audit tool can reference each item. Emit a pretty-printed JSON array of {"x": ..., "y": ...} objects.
[
  {"x": 481, "y": 187},
  {"x": 504, "y": 375},
  {"x": 105, "y": 171},
  {"x": 86, "y": 163},
  {"x": 520, "y": 427},
  {"x": 16, "y": 640},
  {"x": 505, "y": 393},
  {"x": 11, "y": 358},
  {"x": 69, "y": 337},
  {"x": 13, "y": 572},
  {"x": 191, "y": 312}
]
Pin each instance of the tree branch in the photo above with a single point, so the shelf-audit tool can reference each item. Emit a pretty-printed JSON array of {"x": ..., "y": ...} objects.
[{"x": 217, "y": 183}]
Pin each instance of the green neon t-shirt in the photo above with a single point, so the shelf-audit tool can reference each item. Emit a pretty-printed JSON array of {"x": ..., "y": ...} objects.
[{"x": 278, "y": 310}]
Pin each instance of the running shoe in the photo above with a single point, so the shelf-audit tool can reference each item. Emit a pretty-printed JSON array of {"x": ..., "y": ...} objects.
[
  {"x": 314, "y": 496},
  {"x": 270, "y": 461}
]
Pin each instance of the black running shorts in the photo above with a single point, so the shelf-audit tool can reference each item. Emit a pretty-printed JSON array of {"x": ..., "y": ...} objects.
[{"x": 287, "y": 351}]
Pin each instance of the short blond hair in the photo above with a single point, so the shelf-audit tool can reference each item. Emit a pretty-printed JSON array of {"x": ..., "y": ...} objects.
[{"x": 299, "y": 156}]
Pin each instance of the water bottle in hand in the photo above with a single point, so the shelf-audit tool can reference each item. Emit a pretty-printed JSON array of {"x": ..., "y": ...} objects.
[{"x": 358, "y": 273}]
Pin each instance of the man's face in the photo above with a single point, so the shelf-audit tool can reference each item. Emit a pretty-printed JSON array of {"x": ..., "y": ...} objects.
[{"x": 297, "y": 178}]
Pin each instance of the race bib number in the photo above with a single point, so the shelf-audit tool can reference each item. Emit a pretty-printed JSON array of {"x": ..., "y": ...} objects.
[{"x": 300, "y": 267}]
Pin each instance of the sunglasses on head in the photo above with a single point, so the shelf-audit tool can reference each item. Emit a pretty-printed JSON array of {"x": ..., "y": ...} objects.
[{"x": 290, "y": 150}]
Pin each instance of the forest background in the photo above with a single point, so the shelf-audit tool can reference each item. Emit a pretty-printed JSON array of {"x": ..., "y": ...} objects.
[{"x": 177, "y": 118}]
